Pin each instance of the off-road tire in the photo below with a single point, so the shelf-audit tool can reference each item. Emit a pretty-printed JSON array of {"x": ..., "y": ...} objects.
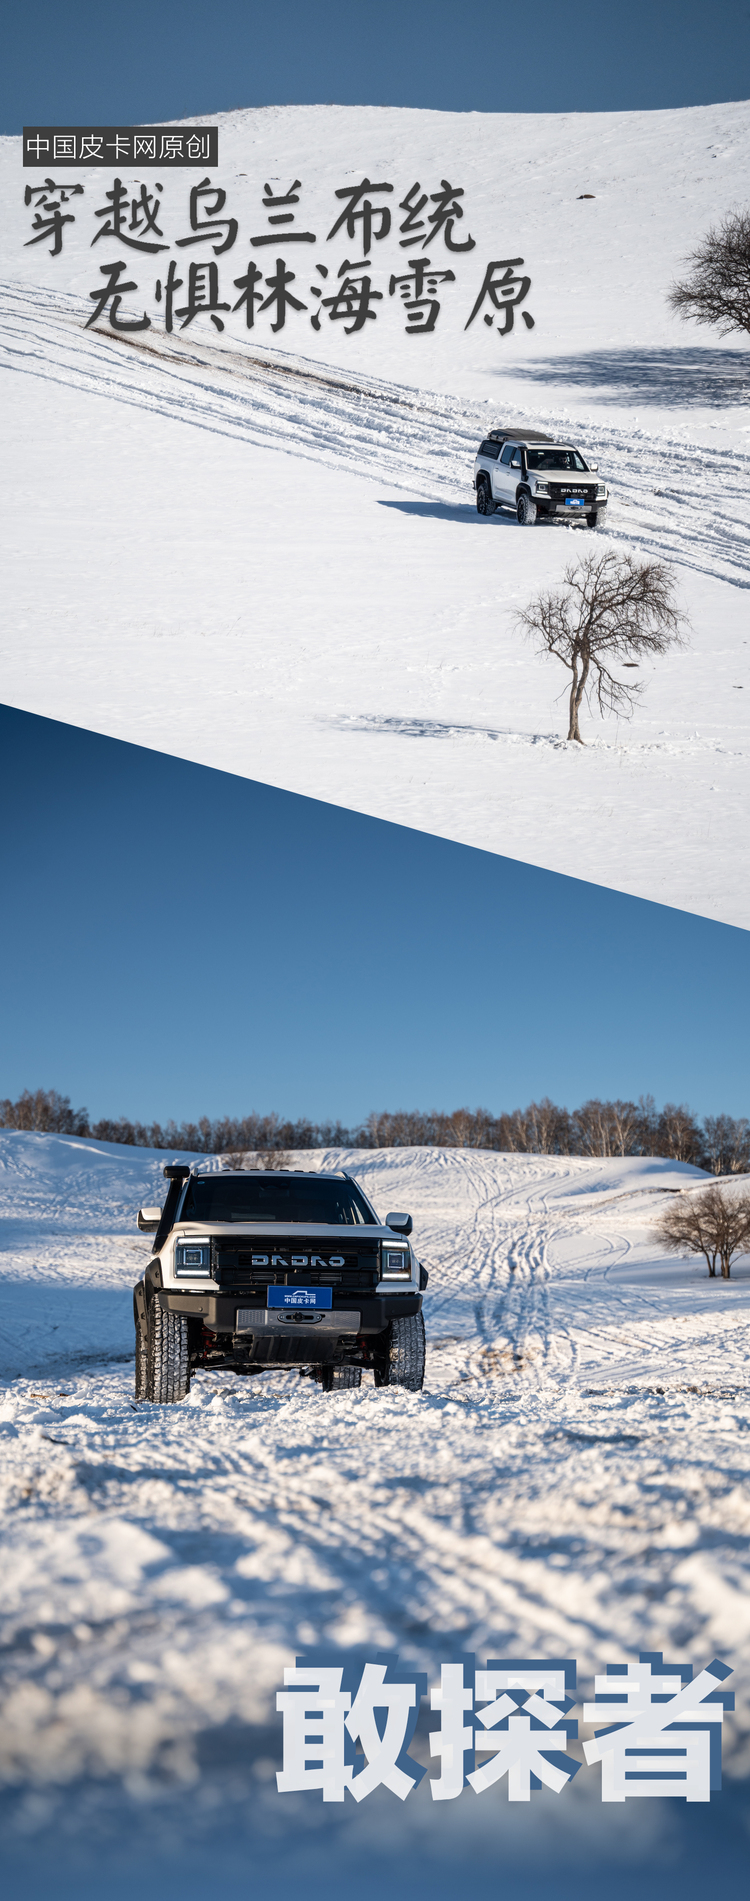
[
  {"x": 485, "y": 504},
  {"x": 339, "y": 1379},
  {"x": 167, "y": 1360},
  {"x": 525, "y": 511},
  {"x": 592, "y": 521},
  {"x": 405, "y": 1354}
]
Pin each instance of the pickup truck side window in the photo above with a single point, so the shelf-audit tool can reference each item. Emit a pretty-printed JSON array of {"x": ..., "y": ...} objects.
[
  {"x": 507, "y": 453},
  {"x": 515, "y": 461}
]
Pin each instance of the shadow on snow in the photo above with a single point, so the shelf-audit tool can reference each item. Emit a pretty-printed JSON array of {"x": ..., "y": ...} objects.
[
  {"x": 688, "y": 377},
  {"x": 463, "y": 512}
]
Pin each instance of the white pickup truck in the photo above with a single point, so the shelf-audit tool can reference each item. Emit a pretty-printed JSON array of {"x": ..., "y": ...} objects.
[{"x": 538, "y": 478}]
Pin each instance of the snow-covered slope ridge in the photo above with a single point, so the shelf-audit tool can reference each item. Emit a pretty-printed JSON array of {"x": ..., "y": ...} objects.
[
  {"x": 261, "y": 550},
  {"x": 417, "y": 440},
  {"x": 574, "y": 1479}
]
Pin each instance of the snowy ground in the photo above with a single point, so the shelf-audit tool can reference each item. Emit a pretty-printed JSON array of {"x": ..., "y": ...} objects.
[
  {"x": 267, "y": 558},
  {"x": 574, "y": 1480}
]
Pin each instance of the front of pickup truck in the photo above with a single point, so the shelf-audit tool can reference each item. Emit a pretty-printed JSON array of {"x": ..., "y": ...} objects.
[
  {"x": 561, "y": 483},
  {"x": 284, "y": 1267}
]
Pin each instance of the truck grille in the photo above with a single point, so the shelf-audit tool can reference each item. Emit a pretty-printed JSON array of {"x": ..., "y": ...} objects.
[{"x": 238, "y": 1268}]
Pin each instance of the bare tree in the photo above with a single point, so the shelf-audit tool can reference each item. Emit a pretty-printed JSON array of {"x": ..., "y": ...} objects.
[
  {"x": 610, "y": 609},
  {"x": 718, "y": 290},
  {"x": 240, "y": 1159},
  {"x": 46, "y": 1111},
  {"x": 625, "y": 1119},
  {"x": 708, "y": 1222},
  {"x": 547, "y": 1128},
  {"x": 606, "y": 1128},
  {"x": 468, "y": 1129},
  {"x": 726, "y": 1143},
  {"x": 678, "y": 1135},
  {"x": 645, "y": 1133}
]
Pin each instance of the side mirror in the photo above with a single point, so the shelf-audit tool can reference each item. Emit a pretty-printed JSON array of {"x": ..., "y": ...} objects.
[
  {"x": 148, "y": 1219},
  {"x": 593, "y": 468},
  {"x": 401, "y": 1224}
]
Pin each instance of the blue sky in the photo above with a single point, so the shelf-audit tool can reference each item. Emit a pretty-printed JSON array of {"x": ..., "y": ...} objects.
[
  {"x": 164, "y": 59},
  {"x": 181, "y": 942}
]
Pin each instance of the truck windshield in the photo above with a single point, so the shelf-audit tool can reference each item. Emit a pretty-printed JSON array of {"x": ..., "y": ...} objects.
[
  {"x": 271, "y": 1197},
  {"x": 554, "y": 459}
]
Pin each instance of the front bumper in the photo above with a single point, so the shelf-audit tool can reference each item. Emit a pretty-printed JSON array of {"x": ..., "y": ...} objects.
[
  {"x": 265, "y": 1321},
  {"x": 230, "y": 1314},
  {"x": 547, "y": 505}
]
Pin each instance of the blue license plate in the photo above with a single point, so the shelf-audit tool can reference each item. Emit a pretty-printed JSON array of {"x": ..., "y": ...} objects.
[
  {"x": 300, "y": 1297},
  {"x": 574, "y": 501}
]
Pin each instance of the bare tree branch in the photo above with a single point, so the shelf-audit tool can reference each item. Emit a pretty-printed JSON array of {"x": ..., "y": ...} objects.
[
  {"x": 610, "y": 608},
  {"x": 718, "y": 290},
  {"x": 708, "y": 1222}
]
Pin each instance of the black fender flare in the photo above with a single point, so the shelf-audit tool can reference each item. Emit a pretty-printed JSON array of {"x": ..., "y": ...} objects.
[{"x": 139, "y": 1308}]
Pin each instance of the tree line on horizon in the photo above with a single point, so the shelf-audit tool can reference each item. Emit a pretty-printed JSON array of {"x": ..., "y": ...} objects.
[{"x": 719, "y": 1143}]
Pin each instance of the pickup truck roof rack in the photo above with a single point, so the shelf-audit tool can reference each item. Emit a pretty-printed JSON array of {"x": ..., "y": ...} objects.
[{"x": 518, "y": 435}]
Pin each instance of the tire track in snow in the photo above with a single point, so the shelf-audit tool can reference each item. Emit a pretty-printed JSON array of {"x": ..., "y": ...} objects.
[
  {"x": 507, "y": 1260},
  {"x": 671, "y": 498},
  {"x": 513, "y": 1262}
]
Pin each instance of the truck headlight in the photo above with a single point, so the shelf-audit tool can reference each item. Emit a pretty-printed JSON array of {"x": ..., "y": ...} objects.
[
  {"x": 396, "y": 1264},
  {"x": 601, "y": 491},
  {"x": 541, "y": 488},
  {"x": 192, "y": 1258}
]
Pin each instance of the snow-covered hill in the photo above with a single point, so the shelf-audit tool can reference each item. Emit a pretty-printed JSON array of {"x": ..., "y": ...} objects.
[
  {"x": 574, "y": 1479},
  {"x": 261, "y": 551}
]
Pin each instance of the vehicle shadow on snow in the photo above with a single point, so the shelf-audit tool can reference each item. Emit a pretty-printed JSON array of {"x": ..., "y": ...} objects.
[
  {"x": 681, "y": 377},
  {"x": 463, "y": 512}
]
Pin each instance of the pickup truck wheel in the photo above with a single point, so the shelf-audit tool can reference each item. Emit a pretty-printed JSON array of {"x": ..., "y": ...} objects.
[
  {"x": 485, "y": 504},
  {"x": 405, "y": 1354},
  {"x": 526, "y": 511},
  {"x": 337, "y": 1379},
  {"x": 592, "y": 521},
  {"x": 167, "y": 1361}
]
